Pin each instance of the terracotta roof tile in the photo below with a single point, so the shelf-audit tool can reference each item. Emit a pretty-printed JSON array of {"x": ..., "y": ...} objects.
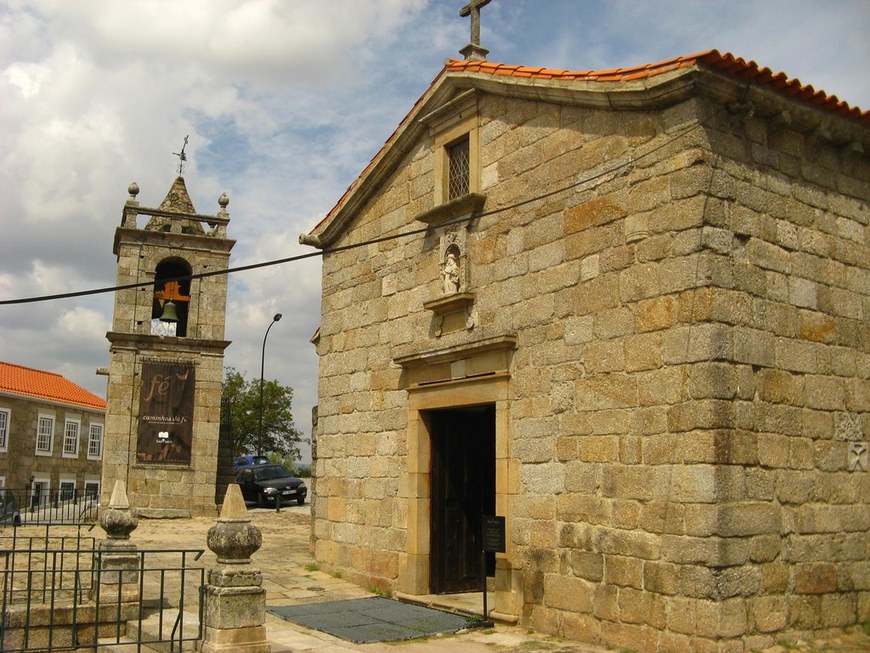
[
  {"x": 712, "y": 58},
  {"x": 27, "y": 382}
]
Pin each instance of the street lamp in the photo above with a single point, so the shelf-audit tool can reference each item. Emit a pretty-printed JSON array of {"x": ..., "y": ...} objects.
[{"x": 262, "y": 365}]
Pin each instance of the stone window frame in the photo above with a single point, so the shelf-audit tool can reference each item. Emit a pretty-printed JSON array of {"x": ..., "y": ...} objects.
[
  {"x": 72, "y": 429},
  {"x": 5, "y": 421},
  {"x": 465, "y": 130},
  {"x": 450, "y": 124},
  {"x": 44, "y": 430},
  {"x": 95, "y": 429}
]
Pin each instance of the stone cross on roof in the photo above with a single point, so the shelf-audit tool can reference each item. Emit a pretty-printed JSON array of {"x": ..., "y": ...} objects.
[{"x": 473, "y": 51}]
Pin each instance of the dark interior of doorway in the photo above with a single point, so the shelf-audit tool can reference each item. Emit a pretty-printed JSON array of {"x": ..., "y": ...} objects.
[{"x": 462, "y": 490}]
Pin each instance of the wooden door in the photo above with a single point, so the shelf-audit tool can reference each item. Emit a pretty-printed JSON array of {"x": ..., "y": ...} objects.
[{"x": 463, "y": 489}]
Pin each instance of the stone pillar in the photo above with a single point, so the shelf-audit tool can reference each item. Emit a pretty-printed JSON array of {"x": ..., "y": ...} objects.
[
  {"x": 235, "y": 599},
  {"x": 119, "y": 560}
]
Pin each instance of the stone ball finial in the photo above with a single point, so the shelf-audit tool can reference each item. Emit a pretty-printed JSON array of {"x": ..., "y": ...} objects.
[
  {"x": 119, "y": 519},
  {"x": 133, "y": 189},
  {"x": 223, "y": 200},
  {"x": 234, "y": 538}
]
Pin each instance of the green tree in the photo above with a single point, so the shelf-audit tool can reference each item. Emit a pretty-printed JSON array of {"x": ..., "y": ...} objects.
[{"x": 241, "y": 400}]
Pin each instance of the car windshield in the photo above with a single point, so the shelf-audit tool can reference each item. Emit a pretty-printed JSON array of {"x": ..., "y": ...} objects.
[{"x": 269, "y": 473}]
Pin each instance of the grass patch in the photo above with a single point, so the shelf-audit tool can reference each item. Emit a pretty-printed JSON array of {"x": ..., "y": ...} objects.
[
  {"x": 312, "y": 566},
  {"x": 386, "y": 593}
]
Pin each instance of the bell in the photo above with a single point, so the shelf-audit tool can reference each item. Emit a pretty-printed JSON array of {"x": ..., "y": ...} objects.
[{"x": 169, "y": 314}]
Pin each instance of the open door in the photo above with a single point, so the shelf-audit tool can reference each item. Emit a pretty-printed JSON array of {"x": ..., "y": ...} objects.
[{"x": 463, "y": 489}]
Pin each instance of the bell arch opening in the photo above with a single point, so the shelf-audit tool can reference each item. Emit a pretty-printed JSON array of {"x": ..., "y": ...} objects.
[{"x": 171, "y": 306}]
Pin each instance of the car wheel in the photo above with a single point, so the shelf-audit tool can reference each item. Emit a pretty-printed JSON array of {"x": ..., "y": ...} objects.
[
  {"x": 301, "y": 501},
  {"x": 261, "y": 500}
]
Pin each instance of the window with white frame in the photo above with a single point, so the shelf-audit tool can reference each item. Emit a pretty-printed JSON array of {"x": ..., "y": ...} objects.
[
  {"x": 4, "y": 428},
  {"x": 44, "y": 435},
  {"x": 71, "y": 438},
  {"x": 95, "y": 442}
]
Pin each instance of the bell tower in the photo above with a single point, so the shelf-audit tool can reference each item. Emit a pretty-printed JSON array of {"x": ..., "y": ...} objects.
[{"x": 166, "y": 355}]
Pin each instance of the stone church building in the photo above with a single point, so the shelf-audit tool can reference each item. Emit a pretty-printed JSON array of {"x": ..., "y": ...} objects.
[{"x": 627, "y": 311}]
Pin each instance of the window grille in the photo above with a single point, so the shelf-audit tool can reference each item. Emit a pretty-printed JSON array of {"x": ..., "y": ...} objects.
[
  {"x": 458, "y": 167},
  {"x": 67, "y": 490},
  {"x": 71, "y": 439},
  {"x": 92, "y": 490},
  {"x": 44, "y": 434},
  {"x": 95, "y": 441}
]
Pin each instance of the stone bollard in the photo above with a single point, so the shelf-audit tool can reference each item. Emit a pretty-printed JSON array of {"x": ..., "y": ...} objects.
[
  {"x": 118, "y": 558},
  {"x": 235, "y": 599}
]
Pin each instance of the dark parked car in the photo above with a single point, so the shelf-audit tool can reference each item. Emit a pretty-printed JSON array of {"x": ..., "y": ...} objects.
[
  {"x": 265, "y": 483},
  {"x": 248, "y": 460}
]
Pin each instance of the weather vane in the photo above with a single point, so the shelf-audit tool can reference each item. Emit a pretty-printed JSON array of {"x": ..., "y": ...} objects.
[{"x": 182, "y": 157}]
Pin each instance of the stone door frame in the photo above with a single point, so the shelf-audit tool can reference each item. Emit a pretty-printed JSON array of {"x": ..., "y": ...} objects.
[{"x": 415, "y": 562}]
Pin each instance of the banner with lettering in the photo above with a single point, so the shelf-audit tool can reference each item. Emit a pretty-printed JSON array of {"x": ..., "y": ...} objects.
[{"x": 166, "y": 413}]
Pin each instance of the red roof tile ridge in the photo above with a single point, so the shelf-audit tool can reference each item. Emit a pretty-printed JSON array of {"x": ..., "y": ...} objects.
[
  {"x": 42, "y": 384},
  {"x": 715, "y": 59}
]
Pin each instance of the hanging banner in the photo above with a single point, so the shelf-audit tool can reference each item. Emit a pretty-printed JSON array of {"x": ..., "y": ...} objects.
[{"x": 165, "y": 413}]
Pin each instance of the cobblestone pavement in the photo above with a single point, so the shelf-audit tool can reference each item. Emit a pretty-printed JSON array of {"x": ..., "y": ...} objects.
[{"x": 291, "y": 577}]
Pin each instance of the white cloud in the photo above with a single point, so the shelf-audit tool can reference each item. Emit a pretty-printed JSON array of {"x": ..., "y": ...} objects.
[{"x": 80, "y": 321}]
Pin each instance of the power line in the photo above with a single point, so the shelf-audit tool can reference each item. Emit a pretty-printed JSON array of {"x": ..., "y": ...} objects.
[{"x": 373, "y": 241}]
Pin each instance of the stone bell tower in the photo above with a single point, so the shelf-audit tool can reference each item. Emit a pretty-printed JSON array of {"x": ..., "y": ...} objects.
[{"x": 166, "y": 355}]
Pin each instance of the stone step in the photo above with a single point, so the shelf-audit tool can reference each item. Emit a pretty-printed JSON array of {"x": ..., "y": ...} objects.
[
  {"x": 150, "y": 629},
  {"x": 126, "y": 645}
]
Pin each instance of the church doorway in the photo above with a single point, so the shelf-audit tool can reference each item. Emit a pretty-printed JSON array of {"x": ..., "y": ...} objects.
[{"x": 462, "y": 490}]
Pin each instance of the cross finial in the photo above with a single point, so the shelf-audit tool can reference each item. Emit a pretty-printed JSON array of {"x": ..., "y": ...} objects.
[
  {"x": 473, "y": 51},
  {"x": 182, "y": 157}
]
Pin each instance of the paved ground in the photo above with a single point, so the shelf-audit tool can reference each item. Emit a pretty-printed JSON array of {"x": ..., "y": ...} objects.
[{"x": 291, "y": 577}]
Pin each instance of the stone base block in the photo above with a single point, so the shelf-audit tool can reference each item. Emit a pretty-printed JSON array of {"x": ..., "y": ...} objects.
[
  {"x": 239, "y": 608},
  {"x": 235, "y": 640},
  {"x": 413, "y": 574}
]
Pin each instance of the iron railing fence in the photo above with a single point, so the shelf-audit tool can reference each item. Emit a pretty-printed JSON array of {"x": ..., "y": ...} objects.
[
  {"x": 35, "y": 505},
  {"x": 24, "y": 556},
  {"x": 60, "y": 599}
]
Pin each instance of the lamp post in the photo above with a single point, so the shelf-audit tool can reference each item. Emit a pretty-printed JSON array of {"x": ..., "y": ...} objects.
[{"x": 262, "y": 365}]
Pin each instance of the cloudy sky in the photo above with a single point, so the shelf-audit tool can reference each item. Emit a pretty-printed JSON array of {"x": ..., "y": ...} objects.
[{"x": 285, "y": 101}]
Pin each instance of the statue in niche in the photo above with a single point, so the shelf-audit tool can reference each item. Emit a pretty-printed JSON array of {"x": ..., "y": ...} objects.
[{"x": 451, "y": 279}]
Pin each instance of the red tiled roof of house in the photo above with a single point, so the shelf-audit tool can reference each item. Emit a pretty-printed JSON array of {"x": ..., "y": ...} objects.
[
  {"x": 712, "y": 58},
  {"x": 27, "y": 382},
  {"x": 727, "y": 63}
]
